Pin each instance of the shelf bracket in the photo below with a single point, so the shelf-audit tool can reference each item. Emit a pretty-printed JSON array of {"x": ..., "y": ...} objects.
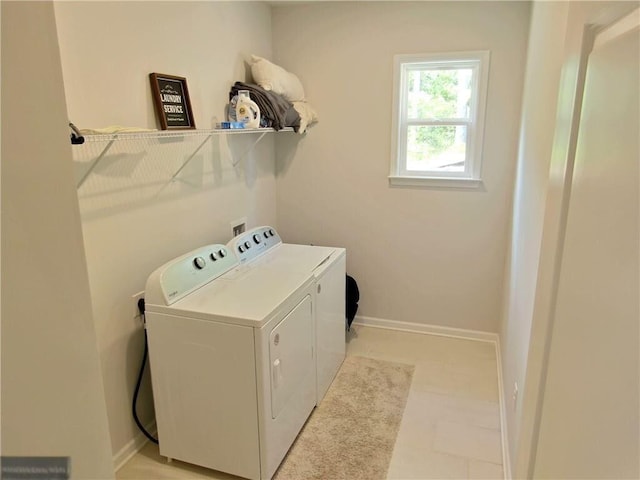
[
  {"x": 193, "y": 154},
  {"x": 96, "y": 161},
  {"x": 243, "y": 156}
]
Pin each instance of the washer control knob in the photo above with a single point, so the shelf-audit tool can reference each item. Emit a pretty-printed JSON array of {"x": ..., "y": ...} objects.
[
  {"x": 271, "y": 232},
  {"x": 247, "y": 245},
  {"x": 241, "y": 248},
  {"x": 222, "y": 253},
  {"x": 213, "y": 256},
  {"x": 199, "y": 263},
  {"x": 266, "y": 234},
  {"x": 256, "y": 238}
]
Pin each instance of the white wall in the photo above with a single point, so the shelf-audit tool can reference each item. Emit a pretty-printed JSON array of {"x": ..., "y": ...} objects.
[
  {"x": 52, "y": 394},
  {"x": 542, "y": 190},
  {"x": 544, "y": 62},
  {"x": 432, "y": 256},
  {"x": 133, "y": 218}
]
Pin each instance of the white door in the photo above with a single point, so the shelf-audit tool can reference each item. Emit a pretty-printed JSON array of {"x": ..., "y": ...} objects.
[{"x": 590, "y": 413}]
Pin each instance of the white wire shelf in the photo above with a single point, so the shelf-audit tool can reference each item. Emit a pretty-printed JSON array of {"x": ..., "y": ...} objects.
[
  {"x": 159, "y": 134},
  {"x": 198, "y": 138}
]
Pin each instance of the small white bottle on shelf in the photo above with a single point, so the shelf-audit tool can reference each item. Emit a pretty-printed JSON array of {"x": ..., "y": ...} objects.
[{"x": 247, "y": 110}]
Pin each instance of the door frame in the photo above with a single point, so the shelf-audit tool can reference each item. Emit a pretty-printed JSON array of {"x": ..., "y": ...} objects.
[{"x": 596, "y": 21}]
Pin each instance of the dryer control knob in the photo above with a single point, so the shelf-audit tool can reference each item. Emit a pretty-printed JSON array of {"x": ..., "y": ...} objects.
[
  {"x": 213, "y": 256},
  {"x": 256, "y": 238},
  {"x": 222, "y": 253},
  {"x": 271, "y": 232},
  {"x": 199, "y": 263},
  {"x": 247, "y": 245}
]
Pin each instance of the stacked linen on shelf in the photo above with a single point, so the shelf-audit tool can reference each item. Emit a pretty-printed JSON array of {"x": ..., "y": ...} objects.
[
  {"x": 280, "y": 90},
  {"x": 274, "y": 78},
  {"x": 275, "y": 111}
]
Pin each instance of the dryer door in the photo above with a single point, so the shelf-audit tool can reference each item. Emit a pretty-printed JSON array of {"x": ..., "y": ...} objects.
[{"x": 291, "y": 354}]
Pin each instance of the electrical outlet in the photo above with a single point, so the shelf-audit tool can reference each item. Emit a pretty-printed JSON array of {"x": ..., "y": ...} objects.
[
  {"x": 239, "y": 226},
  {"x": 135, "y": 298},
  {"x": 515, "y": 394},
  {"x": 238, "y": 229}
]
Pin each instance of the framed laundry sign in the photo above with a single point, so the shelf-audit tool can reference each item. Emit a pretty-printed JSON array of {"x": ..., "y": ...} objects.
[{"x": 172, "y": 102}]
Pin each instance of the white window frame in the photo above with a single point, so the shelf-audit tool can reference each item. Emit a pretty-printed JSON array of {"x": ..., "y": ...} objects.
[{"x": 478, "y": 61}]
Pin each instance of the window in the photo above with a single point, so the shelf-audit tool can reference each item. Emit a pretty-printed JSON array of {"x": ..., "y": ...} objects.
[{"x": 439, "y": 102}]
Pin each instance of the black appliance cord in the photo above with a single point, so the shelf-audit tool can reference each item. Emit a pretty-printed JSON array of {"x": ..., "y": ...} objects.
[{"x": 137, "y": 390}]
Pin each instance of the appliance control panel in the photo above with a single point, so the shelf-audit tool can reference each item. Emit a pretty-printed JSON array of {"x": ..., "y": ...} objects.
[
  {"x": 185, "y": 274},
  {"x": 255, "y": 242}
]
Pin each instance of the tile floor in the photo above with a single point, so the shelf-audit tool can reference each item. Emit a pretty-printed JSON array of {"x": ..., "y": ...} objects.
[{"x": 451, "y": 424}]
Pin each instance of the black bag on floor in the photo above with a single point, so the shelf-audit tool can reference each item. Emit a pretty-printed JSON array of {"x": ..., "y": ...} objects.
[{"x": 352, "y": 299}]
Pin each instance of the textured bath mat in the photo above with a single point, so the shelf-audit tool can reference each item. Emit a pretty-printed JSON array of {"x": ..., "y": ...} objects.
[{"x": 351, "y": 435}]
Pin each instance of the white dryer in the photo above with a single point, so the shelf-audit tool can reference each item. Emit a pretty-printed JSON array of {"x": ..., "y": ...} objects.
[
  {"x": 262, "y": 248},
  {"x": 232, "y": 355}
]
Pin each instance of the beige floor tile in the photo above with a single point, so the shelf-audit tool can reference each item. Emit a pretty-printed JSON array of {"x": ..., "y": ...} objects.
[
  {"x": 475, "y": 382},
  {"x": 418, "y": 426},
  {"x": 357, "y": 343},
  {"x": 423, "y": 347},
  {"x": 468, "y": 441},
  {"x": 485, "y": 471},
  {"x": 384, "y": 344},
  {"x": 149, "y": 465},
  {"x": 479, "y": 413},
  {"x": 414, "y": 463},
  {"x": 425, "y": 409}
]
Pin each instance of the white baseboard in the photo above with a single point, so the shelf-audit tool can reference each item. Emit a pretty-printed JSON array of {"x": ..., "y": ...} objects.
[
  {"x": 425, "y": 328},
  {"x": 133, "y": 447},
  {"x": 456, "y": 333},
  {"x": 506, "y": 459}
]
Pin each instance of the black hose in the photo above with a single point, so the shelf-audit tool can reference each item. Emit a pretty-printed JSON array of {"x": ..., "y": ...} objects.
[{"x": 137, "y": 390}]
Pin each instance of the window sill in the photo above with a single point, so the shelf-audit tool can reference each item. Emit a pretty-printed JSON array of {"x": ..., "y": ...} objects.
[{"x": 449, "y": 182}]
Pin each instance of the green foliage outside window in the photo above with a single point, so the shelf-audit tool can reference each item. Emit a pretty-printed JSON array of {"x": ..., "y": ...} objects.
[{"x": 433, "y": 94}]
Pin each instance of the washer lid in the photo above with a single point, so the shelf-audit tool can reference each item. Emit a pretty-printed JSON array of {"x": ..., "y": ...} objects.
[
  {"x": 293, "y": 257},
  {"x": 251, "y": 299}
]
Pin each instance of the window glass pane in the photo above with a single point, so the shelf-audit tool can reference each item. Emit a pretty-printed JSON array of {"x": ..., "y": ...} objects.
[
  {"x": 436, "y": 148},
  {"x": 441, "y": 93}
]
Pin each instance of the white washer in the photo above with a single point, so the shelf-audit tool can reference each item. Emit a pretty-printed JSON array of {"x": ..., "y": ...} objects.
[
  {"x": 232, "y": 355},
  {"x": 262, "y": 248}
]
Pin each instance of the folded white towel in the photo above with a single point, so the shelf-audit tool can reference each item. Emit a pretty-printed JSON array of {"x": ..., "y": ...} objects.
[{"x": 308, "y": 115}]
